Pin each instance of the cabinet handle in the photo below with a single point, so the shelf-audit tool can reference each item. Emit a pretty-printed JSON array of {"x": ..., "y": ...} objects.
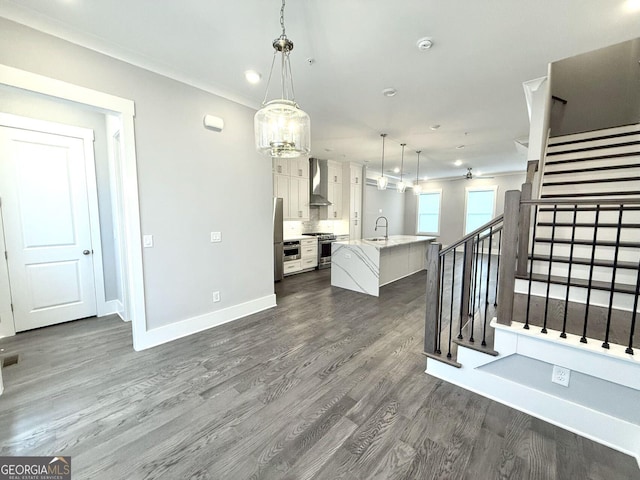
[
  {"x": 356, "y": 214},
  {"x": 335, "y": 214},
  {"x": 356, "y": 179},
  {"x": 300, "y": 213},
  {"x": 299, "y": 172},
  {"x": 279, "y": 168},
  {"x": 356, "y": 222},
  {"x": 335, "y": 179}
]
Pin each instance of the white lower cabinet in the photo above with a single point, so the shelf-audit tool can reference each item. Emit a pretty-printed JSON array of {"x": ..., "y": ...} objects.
[
  {"x": 292, "y": 266},
  {"x": 309, "y": 254}
]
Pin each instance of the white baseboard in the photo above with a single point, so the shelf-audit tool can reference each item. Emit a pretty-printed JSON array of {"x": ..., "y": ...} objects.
[{"x": 189, "y": 326}]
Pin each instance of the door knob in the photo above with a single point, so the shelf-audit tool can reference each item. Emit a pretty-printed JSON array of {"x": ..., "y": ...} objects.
[{"x": 86, "y": 252}]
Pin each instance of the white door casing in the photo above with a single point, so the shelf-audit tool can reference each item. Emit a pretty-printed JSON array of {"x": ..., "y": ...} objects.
[{"x": 43, "y": 183}]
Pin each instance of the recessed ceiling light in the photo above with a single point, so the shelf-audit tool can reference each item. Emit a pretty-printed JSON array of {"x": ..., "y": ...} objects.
[
  {"x": 396, "y": 170},
  {"x": 424, "y": 43},
  {"x": 457, "y": 163},
  {"x": 252, "y": 76},
  {"x": 434, "y": 127},
  {"x": 389, "y": 92},
  {"x": 460, "y": 147}
]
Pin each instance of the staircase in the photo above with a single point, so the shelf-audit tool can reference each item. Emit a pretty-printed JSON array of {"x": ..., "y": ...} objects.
[{"x": 553, "y": 282}]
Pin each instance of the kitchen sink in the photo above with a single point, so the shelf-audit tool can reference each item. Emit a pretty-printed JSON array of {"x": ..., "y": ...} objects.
[{"x": 376, "y": 239}]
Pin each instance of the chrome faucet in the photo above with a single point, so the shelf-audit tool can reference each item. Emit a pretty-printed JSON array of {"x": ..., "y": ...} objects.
[{"x": 386, "y": 226}]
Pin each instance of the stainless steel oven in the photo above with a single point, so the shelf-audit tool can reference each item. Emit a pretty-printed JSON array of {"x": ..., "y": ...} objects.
[
  {"x": 291, "y": 250},
  {"x": 324, "y": 248}
]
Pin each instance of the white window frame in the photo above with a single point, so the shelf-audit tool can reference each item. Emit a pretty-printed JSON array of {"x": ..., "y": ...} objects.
[
  {"x": 478, "y": 189},
  {"x": 439, "y": 192}
]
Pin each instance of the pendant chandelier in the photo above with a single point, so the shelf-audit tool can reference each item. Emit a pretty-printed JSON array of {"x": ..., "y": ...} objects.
[
  {"x": 282, "y": 129},
  {"x": 417, "y": 189},
  {"x": 382, "y": 180},
  {"x": 402, "y": 186}
]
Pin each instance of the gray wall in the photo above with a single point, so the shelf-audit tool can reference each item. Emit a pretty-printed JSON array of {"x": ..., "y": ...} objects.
[
  {"x": 32, "y": 105},
  {"x": 602, "y": 89},
  {"x": 191, "y": 181},
  {"x": 453, "y": 199},
  {"x": 388, "y": 203}
]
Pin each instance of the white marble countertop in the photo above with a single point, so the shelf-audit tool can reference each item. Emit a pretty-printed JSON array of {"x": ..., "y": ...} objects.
[{"x": 392, "y": 241}]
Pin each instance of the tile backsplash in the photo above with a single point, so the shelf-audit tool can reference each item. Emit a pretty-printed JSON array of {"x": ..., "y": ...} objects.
[{"x": 293, "y": 227}]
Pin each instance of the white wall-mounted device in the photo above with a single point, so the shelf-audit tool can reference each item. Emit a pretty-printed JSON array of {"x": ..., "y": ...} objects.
[{"x": 213, "y": 123}]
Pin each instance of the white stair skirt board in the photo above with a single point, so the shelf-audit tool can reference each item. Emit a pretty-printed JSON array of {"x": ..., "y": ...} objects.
[
  {"x": 613, "y": 366},
  {"x": 575, "y": 137},
  {"x": 189, "y": 326},
  {"x": 599, "y": 298}
]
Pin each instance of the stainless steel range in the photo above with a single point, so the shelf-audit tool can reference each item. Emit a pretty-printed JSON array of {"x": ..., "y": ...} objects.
[{"x": 324, "y": 248}]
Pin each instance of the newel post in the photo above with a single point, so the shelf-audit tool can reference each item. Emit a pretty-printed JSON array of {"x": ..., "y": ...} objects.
[
  {"x": 523, "y": 235},
  {"x": 509, "y": 252},
  {"x": 433, "y": 298}
]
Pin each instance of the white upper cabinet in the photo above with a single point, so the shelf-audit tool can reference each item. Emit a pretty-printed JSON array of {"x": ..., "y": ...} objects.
[
  {"x": 356, "y": 174},
  {"x": 281, "y": 166},
  {"x": 299, "y": 198},
  {"x": 281, "y": 190},
  {"x": 335, "y": 172},
  {"x": 334, "y": 211},
  {"x": 299, "y": 167}
]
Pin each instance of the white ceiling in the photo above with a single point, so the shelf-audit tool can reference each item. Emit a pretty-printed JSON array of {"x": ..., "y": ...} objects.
[{"x": 470, "y": 82}]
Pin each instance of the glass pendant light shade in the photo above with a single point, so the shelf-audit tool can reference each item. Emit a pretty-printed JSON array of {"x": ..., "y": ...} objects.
[
  {"x": 382, "y": 180},
  {"x": 282, "y": 129},
  {"x": 401, "y": 186},
  {"x": 417, "y": 189}
]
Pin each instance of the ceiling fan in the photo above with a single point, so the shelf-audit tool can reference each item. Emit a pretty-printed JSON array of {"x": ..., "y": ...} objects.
[{"x": 469, "y": 175}]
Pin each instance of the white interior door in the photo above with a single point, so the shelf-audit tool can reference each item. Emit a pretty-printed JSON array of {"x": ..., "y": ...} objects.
[{"x": 45, "y": 213}]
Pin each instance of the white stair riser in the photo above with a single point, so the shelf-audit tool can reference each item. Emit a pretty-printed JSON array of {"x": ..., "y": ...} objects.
[
  {"x": 598, "y": 298},
  {"x": 586, "y": 233},
  {"x": 600, "y": 274},
  {"x": 593, "y": 153},
  {"x": 612, "y": 188},
  {"x": 590, "y": 163},
  {"x": 584, "y": 251},
  {"x": 593, "y": 143},
  {"x": 606, "y": 216},
  {"x": 597, "y": 133},
  {"x": 569, "y": 176}
]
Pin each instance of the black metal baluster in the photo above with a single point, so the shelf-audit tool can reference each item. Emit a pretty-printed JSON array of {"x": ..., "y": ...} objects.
[
  {"x": 533, "y": 249},
  {"x": 464, "y": 266},
  {"x": 629, "y": 350},
  {"x": 486, "y": 293},
  {"x": 495, "y": 297},
  {"x": 593, "y": 259},
  {"x": 442, "y": 268},
  {"x": 480, "y": 276},
  {"x": 566, "y": 298},
  {"x": 605, "y": 344},
  {"x": 553, "y": 238},
  {"x": 475, "y": 283},
  {"x": 453, "y": 284}
]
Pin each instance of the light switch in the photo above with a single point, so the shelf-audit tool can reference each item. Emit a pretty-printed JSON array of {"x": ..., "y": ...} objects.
[
  {"x": 216, "y": 237},
  {"x": 147, "y": 241}
]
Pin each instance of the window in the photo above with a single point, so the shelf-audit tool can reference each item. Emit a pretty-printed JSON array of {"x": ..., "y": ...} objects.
[
  {"x": 480, "y": 207},
  {"x": 429, "y": 212}
]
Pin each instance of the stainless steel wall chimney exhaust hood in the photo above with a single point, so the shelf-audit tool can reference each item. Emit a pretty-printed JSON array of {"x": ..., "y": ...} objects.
[{"x": 319, "y": 183}]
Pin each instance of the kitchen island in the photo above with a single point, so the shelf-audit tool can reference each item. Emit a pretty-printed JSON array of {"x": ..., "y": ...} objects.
[{"x": 368, "y": 264}]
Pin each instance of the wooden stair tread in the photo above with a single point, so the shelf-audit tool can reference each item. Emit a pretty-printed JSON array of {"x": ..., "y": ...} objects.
[
  {"x": 442, "y": 358},
  {"x": 476, "y": 346},
  {"x": 580, "y": 282}
]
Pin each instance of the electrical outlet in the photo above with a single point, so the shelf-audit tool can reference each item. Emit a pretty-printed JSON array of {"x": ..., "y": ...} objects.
[
  {"x": 216, "y": 237},
  {"x": 147, "y": 241},
  {"x": 216, "y": 296},
  {"x": 561, "y": 375}
]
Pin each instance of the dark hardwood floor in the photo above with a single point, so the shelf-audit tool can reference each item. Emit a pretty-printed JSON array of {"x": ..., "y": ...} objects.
[{"x": 328, "y": 385}]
